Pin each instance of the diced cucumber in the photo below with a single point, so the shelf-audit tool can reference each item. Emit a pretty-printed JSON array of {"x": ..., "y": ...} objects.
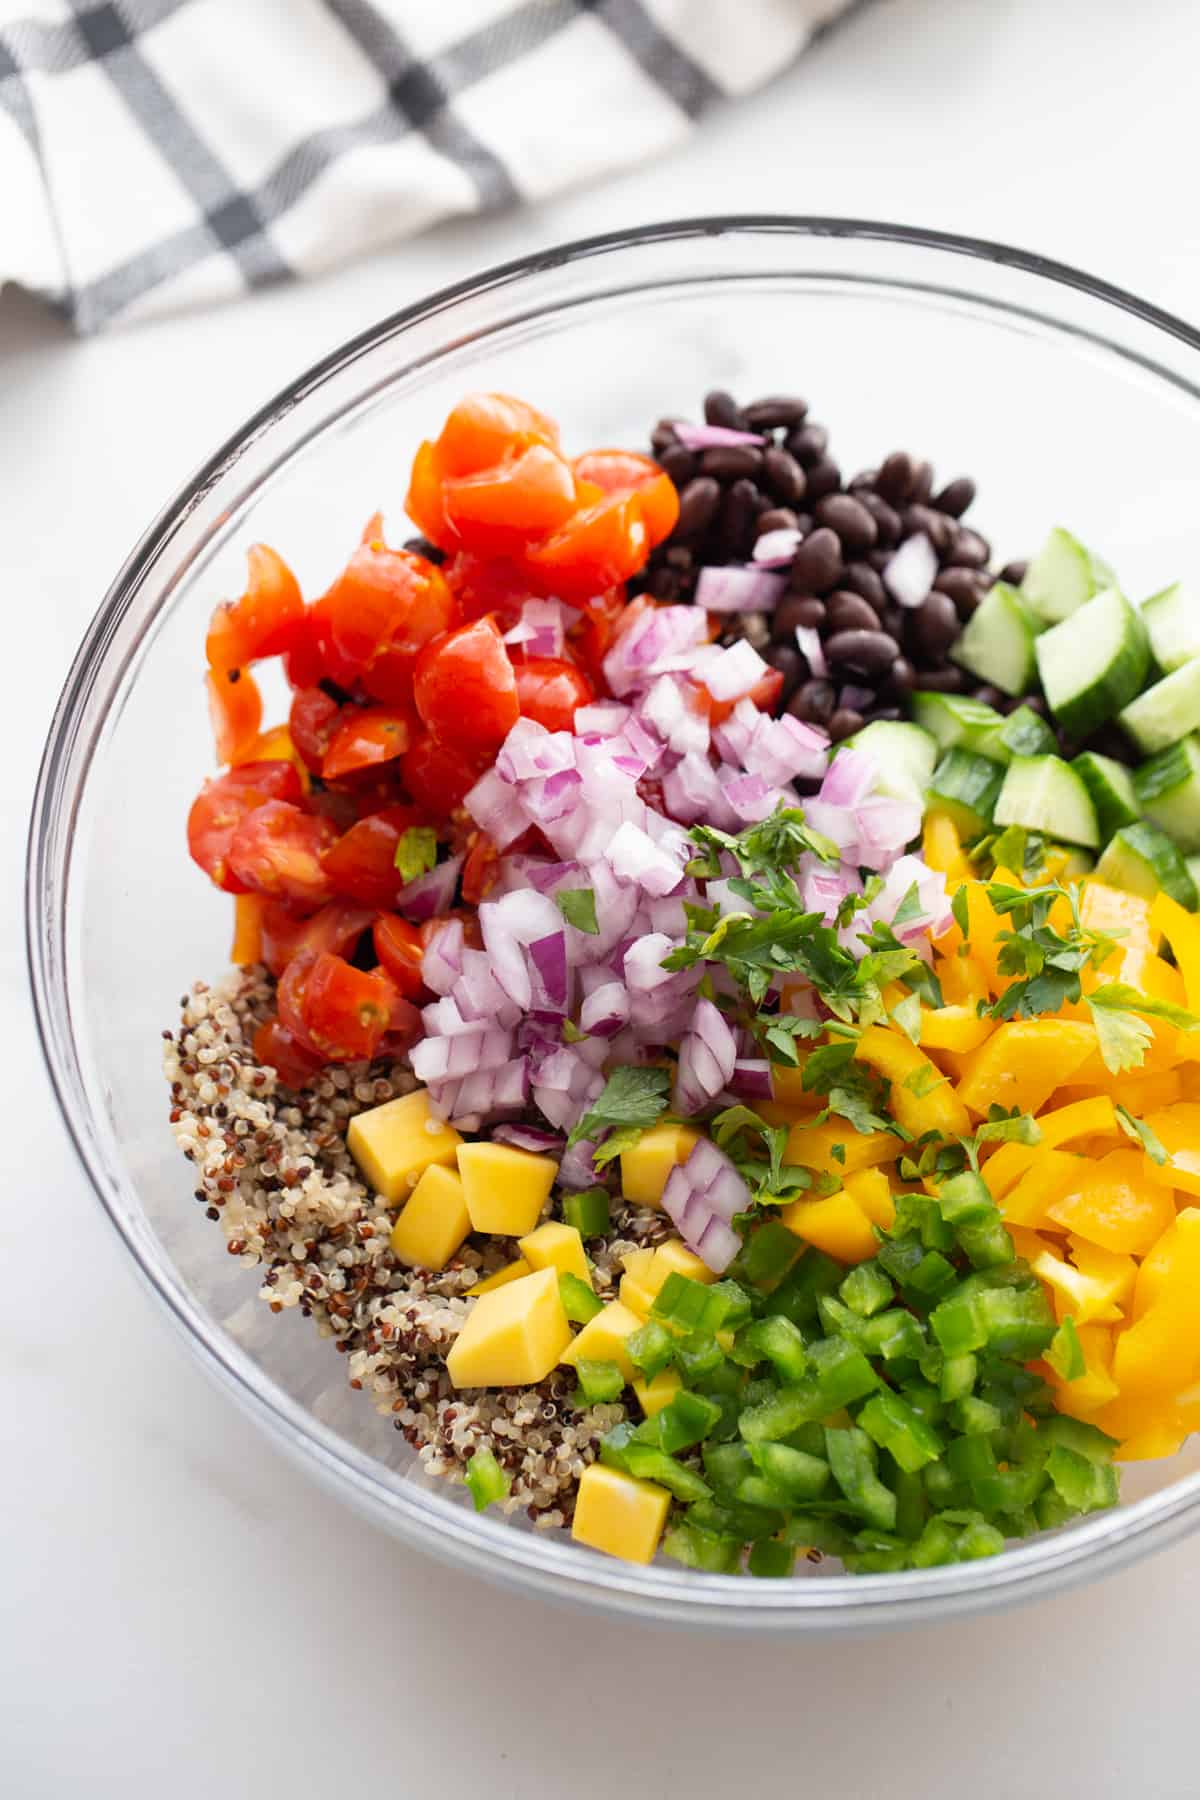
[
  {"x": 1062, "y": 576},
  {"x": 1023, "y": 733},
  {"x": 1167, "y": 711},
  {"x": 1142, "y": 859},
  {"x": 1077, "y": 863},
  {"x": 1193, "y": 869},
  {"x": 1044, "y": 793},
  {"x": 1094, "y": 662},
  {"x": 964, "y": 787},
  {"x": 955, "y": 721},
  {"x": 904, "y": 755},
  {"x": 1168, "y": 788},
  {"x": 1111, "y": 787},
  {"x": 1173, "y": 622},
  {"x": 997, "y": 644}
]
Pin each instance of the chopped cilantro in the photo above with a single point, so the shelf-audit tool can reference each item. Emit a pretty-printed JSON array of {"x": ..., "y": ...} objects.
[
  {"x": 578, "y": 908},
  {"x": 1143, "y": 1134},
  {"x": 416, "y": 852},
  {"x": 907, "y": 1015},
  {"x": 632, "y": 1100},
  {"x": 744, "y": 1137},
  {"x": 1119, "y": 1013},
  {"x": 923, "y": 1081}
]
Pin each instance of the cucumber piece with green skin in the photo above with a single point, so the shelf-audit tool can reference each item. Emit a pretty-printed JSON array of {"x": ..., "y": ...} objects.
[
  {"x": 1044, "y": 793},
  {"x": 1062, "y": 576},
  {"x": 1142, "y": 859},
  {"x": 964, "y": 787},
  {"x": 954, "y": 721},
  {"x": 1077, "y": 863},
  {"x": 1023, "y": 733},
  {"x": 997, "y": 644},
  {"x": 904, "y": 754},
  {"x": 1167, "y": 711},
  {"x": 1111, "y": 787},
  {"x": 1168, "y": 788},
  {"x": 1173, "y": 624},
  {"x": 1094, "y": 662}
]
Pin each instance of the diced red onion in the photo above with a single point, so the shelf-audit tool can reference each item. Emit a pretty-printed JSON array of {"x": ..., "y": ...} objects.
[
  {"x": 530, "y": 750},
  {"x": 605, "y": 1011},
  {"x": 693, "y": 794},
  {"x": 544, "y": 623},
  {"x": 707, "y": 1055},
  {"x": 508, "y": 962},
  {"x": 718, "y": 1245},
  {"x": 531, "y": 1137},
  {"x": 712, "y": 437},
  {"x": 824, "y": 889},
  {"x": 633, "y": 856},
  {"x": 781, "y": 749},
  {"x": 751, "y": 1078},
  {"x": 577, "y": 1170},
  {"x": 442, "y": 963},
  {"x": 910, "y": 574},
  {"x": 549, "y": 971},
  {"x": 849, "y": 779},
  {"x": 735, "y": 671},
  {"x": 734, "y": 588},
  {"x": 654, "y": 636},
  {"x": 527, "y": 915},
  {"x": 778, "y": 547},
  {"x": 734, "y": 735},
  {"x": 604, "y": 717},
  {"x": 431, "y": 893},
  {"x": 688, "y": 1201},
  {"x": 750, "y": 796},
  {"x": 442, "y": 1018},
  {"x": 549, "y": 798},
  {"x": 477, "y": 993},
  {"x": 643, "y": 963},
  {"x": 495, "y": 805},
  {"x": 808, "y": 638}
]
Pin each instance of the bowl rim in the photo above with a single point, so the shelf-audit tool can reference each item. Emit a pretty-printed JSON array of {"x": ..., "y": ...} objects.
[{"x": 482, "y": 1545}]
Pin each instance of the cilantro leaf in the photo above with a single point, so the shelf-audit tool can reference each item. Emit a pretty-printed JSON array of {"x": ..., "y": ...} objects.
[
  {"x": 960, "y": 909},
  {"x": 1120, "y": 996},
  {"x": 1119, "y": 1013},
  {"x": 632, "y": 1097},
  {"x": 735, "y": 1130},
  {"x": 907, "y": 1015},
  {"x": 416, "y": 851},
  {"x": 826, "y": 1065},
  {"x": 1008, "y": 1128},
  {"x": 778, "y": 1032},
  {"x": 923, "y": 1081},
  {"x": 578, "y": 908},
  {"x": 1143, "y": 1134}
]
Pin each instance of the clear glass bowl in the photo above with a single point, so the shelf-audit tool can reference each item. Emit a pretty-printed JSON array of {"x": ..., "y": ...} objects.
[{"x": 1067, "y": 400}]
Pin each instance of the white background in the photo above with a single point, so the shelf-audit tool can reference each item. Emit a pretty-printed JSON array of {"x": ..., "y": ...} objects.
[{"x": 180, "y": 1612}]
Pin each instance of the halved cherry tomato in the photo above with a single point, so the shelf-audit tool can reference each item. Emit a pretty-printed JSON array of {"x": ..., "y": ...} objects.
[
  {"x": 385, "y": 600},
  {"x": 366, "y": 736},
  {"x": 467, "y": 917},
  {"x": 597, "y": 547},
  {"x": 362, "y": 863},
  {"x": 503, "y": 507},
  {"x": 439, "y": 775},
  {"x": 346, "y": 1011},
  {"x": 234, "y": 710},
  {"x": 399, "y": 948},
  {"x": 423, "y": 502},
  {"x": 488, "y": 584},
  {"x": 764, "y": 695},
  {"x": 549, "y": 691},
  {"x": 223, "y": 803},
  {"x": 591, "y": 638},
  {"x": 625, "y": 472},
  {"x": 465, "y": 688},
  {"x": 337, "y": 926},
  {"x": 313, "y": 719},
  {"x": 302, "y": 662},
  {"x": 276, "y": 1046},
  {"x": 276, "y": 850},
  {"x": 264, "y": 621},
  {"x": 275, "y": 745},
  {"x": 481, "y": 870},
  {"x": 485, "y": 428}
]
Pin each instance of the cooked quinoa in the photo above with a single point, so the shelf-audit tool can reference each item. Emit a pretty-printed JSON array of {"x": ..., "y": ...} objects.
[{"x": 273, "y": 1170}]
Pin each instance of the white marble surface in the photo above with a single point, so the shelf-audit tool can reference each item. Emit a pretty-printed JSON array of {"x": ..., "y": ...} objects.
[{"x": 181, "y": 1612}]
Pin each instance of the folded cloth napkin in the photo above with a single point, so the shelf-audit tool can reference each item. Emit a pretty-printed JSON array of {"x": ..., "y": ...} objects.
[{"x": 156, "y": 154}]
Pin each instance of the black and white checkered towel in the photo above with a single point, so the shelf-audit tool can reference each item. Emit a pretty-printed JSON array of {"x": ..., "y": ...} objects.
[{"x": 156, "y": 154}]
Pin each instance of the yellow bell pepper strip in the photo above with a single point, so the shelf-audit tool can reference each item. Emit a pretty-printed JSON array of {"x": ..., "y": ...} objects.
[
  {"x": 958, "y": 1028},
  {"x": 247, "y": 930},
  {"x": 1182, "y": 931},
  {"x": 1095, "y": 1387},
  {"x": 1005, "y": 1167},
  {"x": 837, "y": 1225},
  {"x": 963, "y": 980},
  {"x": 872, "y": 1191},
  {"x": 1159, "y": 1353},
  {"x": 1155, "y": 1267},
  {"x": 1076, "y": 1295},
  {"x": 812, "y": 1146},
  {"x": 1117, "y": 1271},
  {"x": 1111, "y": 1203},
  {"x": 1138, "y": 1093},
  {"x": 941, "y": 849},
  {"x": 1093, "y": 1117},
  {"x": 1023, "y": 1062},
  {"x": 921, "y": 1099},
  {"x": 1178, "y": 1130},
  {"x": 1050, "y": 1174}
]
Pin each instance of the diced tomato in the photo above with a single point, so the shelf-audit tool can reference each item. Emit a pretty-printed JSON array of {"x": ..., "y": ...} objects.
[
  {"x": 625, "y": 472},
  {"x": 423, "y": 502},
  {"x": 385, "y": 600},
  {"x": 265, "y": 621},
  {"x": 234, "y": 710},
  {"x": 399, "y": 948},
  {"x": 549, "y": 691},
  {"x": 441, "y": 775},
  {"x": 502, "y": 507},
  {"x": 491, "y": 584},
  {"x": 365, "y": 737},
  {"x": 302, "y": 662},
  {"x": 313, "y": 720},
  {"x": 405, "y": 1028},
  {"x": 338, "y": 926},
  {"x": 485, "y": 428},
  {"x": 275, "y": 745},
  {"x": 346, "y": 1011},
  {"x": 481, "y": 869},
  {"x": 221, "y": 806},
  {"x": 764, "y": 695},
  {"x": 597, "y": 547},
  {"x": 467, "y": 917},
  {"x": 465, "y": 688},
  {"x": 276, "y": 850},
  {"x": 592, "y": 637},
  {"x": 278, "y": 1048},
  {"x": 362, "y": 863}
]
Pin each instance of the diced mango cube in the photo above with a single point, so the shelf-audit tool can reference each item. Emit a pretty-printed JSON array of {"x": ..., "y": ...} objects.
[
  {"x": 506, "y": 1188},
  {"x": 556, "y": 1246},
  {"x": 603, "y": 1339},
  {"x": 637, "y": 1263},
  {"x": 837, "y": 1225},
  {"x": 636, "y": 1296},
  {"x": 434, "y": 1222},
  {"x": 513, "y": 1336},
  {"x": 395, "y": 1143},
  {"x": 654, "y": 1395},
  {"x": 674, "y": 1258},
  {"x": 813, "y": 1147},
  {"x": 646, "y": 1165},
  {"x": 618, "y": 1514},
  {"x": 512, "y": 1271}
]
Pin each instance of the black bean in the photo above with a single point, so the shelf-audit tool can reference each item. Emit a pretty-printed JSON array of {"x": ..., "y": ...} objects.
[
  {"x": 776, "y": 518},
  {"x": 793, "y": 610},
  {"x": 943, "y": 681},
  {"x": 663, "y": 434},
  {"x": 887, "y": 519},
  {"x": 847, "y": 611},
  {"x": 678, "y": 556},
  {"x": 697, "y": 506},
  {"x": 878, "y": 559},
  {"x": 783, "y": 475},
  {"x": 939, "y": 529},
  {"x": 730, "y": 461},
  {"x": 1014, "y": 573},
  {"x": 895, "y": 478},
  {"x": 850, "y": 519},
  {"x": 804, "y": 523},
  {"x": 824, "y": 477},
  {"x": 735, "y": 521},
  {"x": 956, "y": 496},
  {"x": 813, "y": 701},
  {"x": 679, "y": 463},
  {"x": 892, "y": 619},
  {"x": 862, "y": 579},
  {"x": 922, "y": 485},
  {"x": 844, "y": 723},
  {"x": 902, "y": 677},
  {"x": 1110, "y": 740},
  {"x": 870, "y": 652},
  {"x": 664, "y": 584},
  {"x": 791, "y": 665},
  {"x": 421, "y": 546},
  {"x": 863, "y": 482},
  {"x": 818, "y": 563},
  {"x": 884, "y": 712},
  {"x": 934, "y": 626},
  {"x": 963, "y": 587},
  {"x": 1037, "y": 703},
  {"x": 808, "y": 445},
  {"x": 775, "y": 411},
  {"x": 721, "y": 408},
  {"x": 989, "y": 695},
  {"x": 969, "y": 550}
]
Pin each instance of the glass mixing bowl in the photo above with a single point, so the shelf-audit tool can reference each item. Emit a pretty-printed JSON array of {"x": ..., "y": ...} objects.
[{"x": 1067, "y": 400}]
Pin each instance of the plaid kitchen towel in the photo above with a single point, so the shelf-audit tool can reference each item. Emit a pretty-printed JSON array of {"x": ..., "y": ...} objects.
[{"x": 156, "y": 154}]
